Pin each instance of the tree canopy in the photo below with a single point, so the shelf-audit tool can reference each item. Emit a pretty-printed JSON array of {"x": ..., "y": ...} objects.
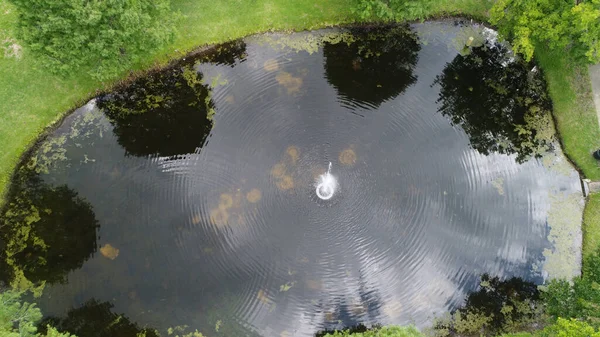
[
  {"x": 558, "y": 24},
  {"x": 392, "y": 9},
  {"x": 105, "y": 37}
]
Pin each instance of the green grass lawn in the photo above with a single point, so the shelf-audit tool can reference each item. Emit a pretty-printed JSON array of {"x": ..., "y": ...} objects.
[
  {"x": 591, "y": 225},
  {"x": 574, "y": 111}
]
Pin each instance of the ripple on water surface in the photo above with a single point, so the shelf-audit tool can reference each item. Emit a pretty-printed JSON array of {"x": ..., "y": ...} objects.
[{"x": 216, "y": 219}]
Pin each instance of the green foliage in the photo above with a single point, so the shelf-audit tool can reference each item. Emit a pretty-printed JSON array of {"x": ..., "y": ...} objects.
[
  {"x": 106, "y": 36},
  {"x": 579, "y": 299},
  {"x": 569, "y": 328},
  {"x": 392, "y": 9},
  {"x": 391, "y": 331},
  {"x": 558, "y": 24},
  {"x": 19, "y": 319}
]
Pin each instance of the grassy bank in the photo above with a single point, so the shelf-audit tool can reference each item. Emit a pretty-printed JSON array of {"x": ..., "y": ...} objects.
[
  {"x": 577, "y": 124},
  {"x": 574, "y": 111},
  {"x": 591, "y": 225},
  {"x": 31, "y": 99}
]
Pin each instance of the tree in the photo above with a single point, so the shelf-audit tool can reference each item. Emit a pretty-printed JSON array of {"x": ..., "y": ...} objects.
[
  {"x": 377, "y": 66},
  {"x": 392, "y": 9},
  {"x": 166, "y": 113},
  {"x": 19, "y": 319},
  {"x": 104, "y": 36},
  {"x": 497, "y": 99},
  {"x": 570, "y": 328},
  {"x": 559, "y": 24}
]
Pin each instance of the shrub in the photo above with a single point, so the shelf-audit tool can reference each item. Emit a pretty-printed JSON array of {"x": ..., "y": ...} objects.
[
  {"x": 392, "y": 9},
  {"x": 106, "y": 36},
  {"x": 556, "y": 23}
]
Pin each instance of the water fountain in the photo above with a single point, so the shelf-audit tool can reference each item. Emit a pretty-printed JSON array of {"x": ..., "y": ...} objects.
[{"x": 326, "y": 185}]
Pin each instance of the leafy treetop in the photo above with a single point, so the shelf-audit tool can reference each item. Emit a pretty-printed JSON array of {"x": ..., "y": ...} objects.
[{"x": 105, "y": 37}]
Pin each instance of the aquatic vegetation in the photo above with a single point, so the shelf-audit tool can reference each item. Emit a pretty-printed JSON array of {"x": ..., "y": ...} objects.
[
  {"x": 565, "y": 236},
  {"x": 228, "y": 53},
  {"x": 498, "y": 184},
  {"x": 517, "y": 109},
  {"x": 348, "y": 157},
  {"x": 308, "y": 42},
  {"x": 375, "y": 67},
  {"x": 287, "y": 286},
  {"x": 261, "y": 295},
  {"x": 109, "y": 252},
  {"x": 290, "y": 82}
]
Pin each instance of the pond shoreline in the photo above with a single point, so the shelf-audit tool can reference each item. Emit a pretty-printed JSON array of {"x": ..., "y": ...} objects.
[{"x": 175, "y": 59}]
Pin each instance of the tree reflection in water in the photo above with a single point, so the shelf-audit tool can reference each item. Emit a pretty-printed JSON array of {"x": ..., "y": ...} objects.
[
  {"x": 377, "y": 66},
  {"x": 498, "y": 100}
]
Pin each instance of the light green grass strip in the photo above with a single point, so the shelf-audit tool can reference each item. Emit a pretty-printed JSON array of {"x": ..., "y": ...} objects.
[
  {"x": 591, "y": 225},
  {"x": 576, "y": 120}
]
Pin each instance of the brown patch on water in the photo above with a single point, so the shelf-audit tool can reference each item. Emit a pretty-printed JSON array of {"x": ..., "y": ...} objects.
[
  {"x": 262, "y": 297},
  {"x": 254, "y": 195},
  {"x": 196, "y": 219},
  {"x": 271, "y": 65},
  {"x": 219, "y": 217},
  {"x": 293, "y": 153},
  {"x": 109, "y": 252},
  {"x": 314, "y": 284},
  {"x": 316, "y": 172},
  {"x": 229, "y": 99},
  {"x": 278, "y": 170},
  {"x": 290, "y": 82},
  {"x": 348, "y": 157},
  {"x": 225, "y": 201},
  {"x": 285, "y": 183}
]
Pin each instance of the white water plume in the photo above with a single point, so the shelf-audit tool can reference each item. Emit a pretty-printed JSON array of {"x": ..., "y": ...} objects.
[{"x": 326, "y": 185}]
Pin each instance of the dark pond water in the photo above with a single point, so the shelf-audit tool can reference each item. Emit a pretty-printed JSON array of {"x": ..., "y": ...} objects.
[{"x": 188, "y": 198}]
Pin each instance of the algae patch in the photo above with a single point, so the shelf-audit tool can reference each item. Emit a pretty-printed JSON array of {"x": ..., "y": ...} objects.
[{"x": 563, "y": 260}]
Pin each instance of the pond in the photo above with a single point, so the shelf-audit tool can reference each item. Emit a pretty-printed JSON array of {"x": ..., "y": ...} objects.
[{"x": 188, "y": 197}]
